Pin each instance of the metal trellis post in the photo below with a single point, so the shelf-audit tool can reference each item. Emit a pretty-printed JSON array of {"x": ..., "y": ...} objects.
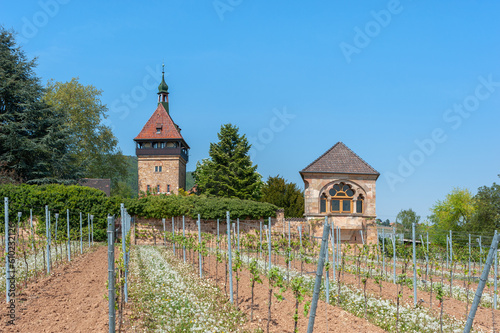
[
  {"x": 319, "y": 273},
  {"x": 7, "y": 270},
  {"x": 482, "y": 283},
  {"x": 414, "y": 266},
  {"x": 230, "y": 259},
  {"x": 111, "y": 276}
]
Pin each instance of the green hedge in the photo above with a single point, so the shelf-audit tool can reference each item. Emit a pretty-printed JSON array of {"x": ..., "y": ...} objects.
[
  {"x": 77, "y": 199},
  {"x": 87, "y": 200},
  {"x": 160, "y": 206}
]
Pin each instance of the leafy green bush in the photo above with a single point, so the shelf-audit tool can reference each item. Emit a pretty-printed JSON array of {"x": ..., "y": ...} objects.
[{"x": 87, "y": 200}]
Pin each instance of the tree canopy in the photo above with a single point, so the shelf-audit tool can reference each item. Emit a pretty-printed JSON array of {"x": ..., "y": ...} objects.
[
  {"x": 96, "y": 148},
  {"x": 453, "y": 213},
  {"x": 405, "y": 220},
  {"x": 486, "y": 217},
  {"x": 228, "y": 172},
  {"x": 279, "y": 192},
  {"x": 35, "y": 144}
]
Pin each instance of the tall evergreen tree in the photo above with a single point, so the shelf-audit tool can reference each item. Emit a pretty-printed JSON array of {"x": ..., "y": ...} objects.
[
  {"x": 279, "y": 192},
  {"x": 34, "y": 142},
  {"x": 228, "y": 172}
]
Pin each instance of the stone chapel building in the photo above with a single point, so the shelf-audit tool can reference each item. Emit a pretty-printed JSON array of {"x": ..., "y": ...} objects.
[
  {"x": 341, "y": 185},
  {"x": 162, "y": 153}
]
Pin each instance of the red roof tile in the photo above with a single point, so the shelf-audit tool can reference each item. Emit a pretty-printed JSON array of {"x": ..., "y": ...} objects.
[
  {"x": 159, "y": 119},
  {"x": 340, "y": 159}
]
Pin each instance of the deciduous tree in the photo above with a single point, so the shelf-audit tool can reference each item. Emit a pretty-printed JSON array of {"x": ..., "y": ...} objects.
[
  {"x": 453, "y": 213},
  {"x": 96, "y": 150}
]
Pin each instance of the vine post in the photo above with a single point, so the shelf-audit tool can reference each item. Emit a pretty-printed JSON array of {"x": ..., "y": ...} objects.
[
  {"x": 199, "y": 243},
  {"x": 47, "y": 234},
  {"x": 482, "y": 282},
  {"x": 269, "y": 242},
  {"x": 92, "y": 227},
  {"x": 394, "y": 254},
  {"x": 238, "y": 232},
  {"x": 88, "y": 226},
  {"x": 230, "y": 264},
  {"x": 414, "y": 266},
  {"x": 81, "y": 238},
  {"x": 334, "y": 250},
  {"x": 383, "y": 250},
  {"x": 184, "y": 238},
  {"x": 111, "y": 276},
  {"x": 319, "y": 273},
  {"x": 260, "y": 237},
  {"x": 7, "y": 271},
  {"x": 32, "y": 231},
  {"x": 69, "y": 238},
  {"x": 173, "y": 233},
  {"x": 164, "y": 232}
]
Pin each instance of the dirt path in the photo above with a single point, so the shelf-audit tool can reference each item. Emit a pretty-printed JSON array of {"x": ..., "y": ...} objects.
[{"x": 70, "y": 300}]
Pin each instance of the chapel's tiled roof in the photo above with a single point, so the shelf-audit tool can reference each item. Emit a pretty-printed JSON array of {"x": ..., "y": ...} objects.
[
  {"x": 160, "y": 119},
  {"x": 340, "y": 159}
]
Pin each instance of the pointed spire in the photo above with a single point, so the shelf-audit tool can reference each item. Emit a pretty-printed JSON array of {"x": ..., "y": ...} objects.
[{"x": 163, "y": 87}]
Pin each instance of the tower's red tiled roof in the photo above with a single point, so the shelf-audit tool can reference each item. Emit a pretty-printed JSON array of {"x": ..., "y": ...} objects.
[
  {"x": 160, "y": 119},
  {"x": 340, "y": 159}
]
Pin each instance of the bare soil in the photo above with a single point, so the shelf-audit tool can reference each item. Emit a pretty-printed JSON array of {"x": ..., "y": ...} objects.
[
  {"x": 71, "y": 299},
  {"x": 329, "y": 318}
]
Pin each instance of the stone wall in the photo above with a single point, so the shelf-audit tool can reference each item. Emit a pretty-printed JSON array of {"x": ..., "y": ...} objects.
[
  {"x": 173, "y": 173},
  {"x": 350, "y": 223}
]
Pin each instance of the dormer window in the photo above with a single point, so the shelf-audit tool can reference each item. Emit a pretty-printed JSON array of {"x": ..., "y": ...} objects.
[{"x": 158, "y": 128}]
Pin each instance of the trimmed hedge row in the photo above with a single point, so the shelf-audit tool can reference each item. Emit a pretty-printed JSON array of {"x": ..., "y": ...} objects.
[{"x": 78, "y": 199}]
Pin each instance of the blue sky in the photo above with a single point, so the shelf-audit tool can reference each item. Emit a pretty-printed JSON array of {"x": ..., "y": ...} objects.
[{"x": 413, "y": 87}]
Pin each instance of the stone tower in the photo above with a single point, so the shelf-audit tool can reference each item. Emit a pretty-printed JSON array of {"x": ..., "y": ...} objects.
[{"x": 161, "y": 151}]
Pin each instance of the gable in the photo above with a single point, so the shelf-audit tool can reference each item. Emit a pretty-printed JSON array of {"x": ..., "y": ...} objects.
[{"x": 340, "y": 159}]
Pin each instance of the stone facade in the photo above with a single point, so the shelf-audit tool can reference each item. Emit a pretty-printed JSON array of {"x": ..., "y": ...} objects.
[
  {"x": 341, "y": 186},
  {"x": 171, "y": 177}
]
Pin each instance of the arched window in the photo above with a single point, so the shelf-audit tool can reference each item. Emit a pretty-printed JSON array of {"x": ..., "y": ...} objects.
[
  {"x": 359, "y": 204},
  {"x": 322, "y": 203},
  {"x": 341, "y": 198}
]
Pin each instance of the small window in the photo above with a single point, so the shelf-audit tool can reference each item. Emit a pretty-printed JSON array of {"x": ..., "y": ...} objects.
[
  {"x": 322, "y": 204},
  {"x": 335, "y": 205},
  {"x": 148, "y": 188},
  {"x": 159, "y": 168},
  {"x": 156, "y": 168},
  {"x": 158, "y": 188},
  {"x": 359, "y": 205},
  {"x": 162, "y": 145},
  {"x": 158, "y": 131},
  {"x": 168, "y": 188},
  {"x": 155, "y": 144}
]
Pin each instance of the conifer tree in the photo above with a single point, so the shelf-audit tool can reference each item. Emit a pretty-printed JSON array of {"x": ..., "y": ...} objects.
[
  {"x": 279, "y": 192},
  {"x": 228, "y": 172},
  {"x": 34, "y": 143}
]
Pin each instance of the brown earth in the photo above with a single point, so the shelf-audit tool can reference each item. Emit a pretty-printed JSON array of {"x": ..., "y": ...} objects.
[
  {"x": 451, "y": 306},
  {"x": 339, "y": 321},
  {"x": 71, "y": 299}
]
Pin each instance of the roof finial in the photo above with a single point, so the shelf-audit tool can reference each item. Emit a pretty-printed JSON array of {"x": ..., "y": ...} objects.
[{"x": 163, "y": 87}]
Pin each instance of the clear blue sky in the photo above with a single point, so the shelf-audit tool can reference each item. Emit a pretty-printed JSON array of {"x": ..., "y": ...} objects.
[{"x": 296, "y": 77}]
